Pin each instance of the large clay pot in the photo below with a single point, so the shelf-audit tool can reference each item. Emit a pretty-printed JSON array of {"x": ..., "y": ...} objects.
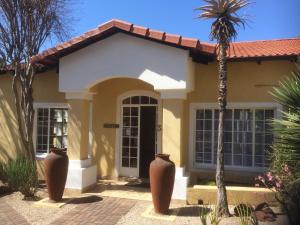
[
  {"x": 56, "y": 170},
  {"x": 162, "y": 174}
]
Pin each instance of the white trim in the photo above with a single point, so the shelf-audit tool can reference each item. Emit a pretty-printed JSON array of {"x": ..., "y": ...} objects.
[
  {"x": 240, "y": 105},
  {"x": 81, "y": 174},
  {"x": 91, "y": 137},
  {"x": 230, "y": 105},
  {"x": 119, "y": 121},
  {"x": 37, "y": 105}
]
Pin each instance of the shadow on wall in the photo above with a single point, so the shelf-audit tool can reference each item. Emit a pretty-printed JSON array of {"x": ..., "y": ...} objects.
[{"x": 10, "y": 142}]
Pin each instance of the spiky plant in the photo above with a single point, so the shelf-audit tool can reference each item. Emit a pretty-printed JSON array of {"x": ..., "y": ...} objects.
[
  {"x": 286, "y": 149},
  {"x": 285, "y": 155},
  {"x": 223, "y": 29}
]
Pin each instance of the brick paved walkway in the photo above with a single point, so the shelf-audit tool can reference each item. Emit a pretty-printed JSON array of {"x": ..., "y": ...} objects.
[
  {"x": 9, "y": 216},
  {"x": 108, "y": 211}
]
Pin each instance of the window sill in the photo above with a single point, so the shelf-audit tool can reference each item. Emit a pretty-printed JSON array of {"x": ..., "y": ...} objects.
[
  {"x": 230, "y": 168},
  {"x": 41, "y": 156}
]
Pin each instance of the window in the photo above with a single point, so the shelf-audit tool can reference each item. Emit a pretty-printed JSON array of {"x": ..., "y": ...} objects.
[
  {"x": 51, "y": 129},
  {"x": 143, "y": 100},
  {"x": 247, "y": 136}
]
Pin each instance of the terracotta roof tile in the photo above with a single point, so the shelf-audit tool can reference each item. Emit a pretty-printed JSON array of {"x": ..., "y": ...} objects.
[
  {"x": 156, "y": 34},
  {"x": 172, "y": 38},
  {"x": 140, "y": 30},
  {"x": 190, "y": 42},
  {"x": 123, "y": 25},
  {"x": 237, "y": 50}
]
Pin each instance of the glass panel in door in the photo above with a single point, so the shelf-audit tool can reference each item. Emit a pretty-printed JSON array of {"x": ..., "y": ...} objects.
[{"x": 130, "y": 141}]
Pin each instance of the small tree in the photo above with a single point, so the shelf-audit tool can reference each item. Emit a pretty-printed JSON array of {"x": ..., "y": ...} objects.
[
  {"x": 224, "y": 13},
  {"x": 25, "y": 25}
]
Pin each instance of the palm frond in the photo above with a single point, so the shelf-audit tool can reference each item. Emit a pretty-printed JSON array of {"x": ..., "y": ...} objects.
[
  {"x": 225, "y": 13},
  {"x": 289, "y": 91}
]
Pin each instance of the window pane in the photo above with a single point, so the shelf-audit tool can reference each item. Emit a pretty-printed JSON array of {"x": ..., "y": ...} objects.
[
  {"x": 135, "y": 100},
  {"x": 208, "y": 136},
  {"x": 133, "y": 162},
  {"x": 200, "y": 114},
  {"x": 134, "y": 111},
  {"x": 208, "y": 114},
  {"x": 153, "y": 101},
  {"x": 259, "y": 114},
  {"x": 228, "y": 114},
  {"x": 199, "y": 124},
  {"x": 125, "y": 162},
  {"x": 126, "y": 101},
  {"x": 247, "y": 160},
  {"x": 237, "y": 160},
  {"x": 134, "y": 121},
  {"x": 126, "y": 111},
  {"x": 228, "y": 159},
  {"x": 144, "y": 100},
  {"x": 208, "y": 125}
]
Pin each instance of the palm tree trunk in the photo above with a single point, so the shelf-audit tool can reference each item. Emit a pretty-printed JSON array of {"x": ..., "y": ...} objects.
[{"x": 222, "y": 204}]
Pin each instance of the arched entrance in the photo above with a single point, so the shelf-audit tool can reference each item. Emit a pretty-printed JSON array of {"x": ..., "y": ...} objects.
[{"x": 138, "y": 134}]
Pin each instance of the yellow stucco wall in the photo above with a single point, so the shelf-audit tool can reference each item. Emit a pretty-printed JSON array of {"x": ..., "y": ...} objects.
[
  {"x": 105, "y": 111},
  {"x": 45, "y": 90}
]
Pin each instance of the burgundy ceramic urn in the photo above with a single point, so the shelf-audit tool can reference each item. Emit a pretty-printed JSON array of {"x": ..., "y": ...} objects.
[
  {"x": 56, "y": 170},
  {"x": 162, "y": 175}
]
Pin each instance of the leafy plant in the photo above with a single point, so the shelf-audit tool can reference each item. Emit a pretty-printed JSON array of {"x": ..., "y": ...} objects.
[
  {"x": 2, "y": 172},
  {"x": 22, "y": 176}
]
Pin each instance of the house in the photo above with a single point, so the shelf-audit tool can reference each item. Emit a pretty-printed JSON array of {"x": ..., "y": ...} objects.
[{"x": 120, "y": 93}]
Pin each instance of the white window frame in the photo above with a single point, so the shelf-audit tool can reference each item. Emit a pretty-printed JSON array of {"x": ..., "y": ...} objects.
[
  {"x": 36, "y": 106},
  {"x": 237, "y": 105}
]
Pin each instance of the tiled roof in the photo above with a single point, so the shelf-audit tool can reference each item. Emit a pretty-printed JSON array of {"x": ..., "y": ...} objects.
[
  {"x": 238, "y": 50},
  {"x": 267, "y": 48}
]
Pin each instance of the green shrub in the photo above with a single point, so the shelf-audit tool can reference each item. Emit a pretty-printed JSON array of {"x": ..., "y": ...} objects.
[
  {"x": 22, "y": 176},
  {"x": 3, "y": 172}
]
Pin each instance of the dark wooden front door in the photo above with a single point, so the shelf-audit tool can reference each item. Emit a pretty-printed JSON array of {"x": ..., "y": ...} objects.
[{"x": 147, "y": 138}]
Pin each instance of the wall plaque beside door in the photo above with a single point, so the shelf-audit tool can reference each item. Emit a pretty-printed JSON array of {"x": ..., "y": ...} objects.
[{"x": 111, "y": 125}]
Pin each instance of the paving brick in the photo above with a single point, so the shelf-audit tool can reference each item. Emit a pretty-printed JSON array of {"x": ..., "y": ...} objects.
[
  {"x": 10, "y": 216},
  {"x": 108, "y": 211}
]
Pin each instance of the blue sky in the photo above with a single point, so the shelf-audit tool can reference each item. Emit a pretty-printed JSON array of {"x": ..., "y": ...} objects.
[{"x": 270, "y": 19}]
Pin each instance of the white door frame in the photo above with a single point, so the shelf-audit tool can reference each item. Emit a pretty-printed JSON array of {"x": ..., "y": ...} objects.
[{"x": 119, "y": 121}]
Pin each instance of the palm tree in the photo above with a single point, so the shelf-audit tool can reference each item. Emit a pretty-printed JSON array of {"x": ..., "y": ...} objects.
[{"x": 224, "y": 13}]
